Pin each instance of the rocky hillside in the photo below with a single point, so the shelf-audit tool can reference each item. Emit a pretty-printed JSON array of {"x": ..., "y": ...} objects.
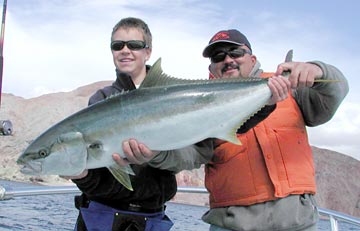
[{"x": 337, "y": 175}]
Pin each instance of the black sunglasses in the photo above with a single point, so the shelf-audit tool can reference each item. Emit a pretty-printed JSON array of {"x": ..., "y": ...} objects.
[
  {"x": 220, "y": 56},
  {"x": 134, "y": 45}
]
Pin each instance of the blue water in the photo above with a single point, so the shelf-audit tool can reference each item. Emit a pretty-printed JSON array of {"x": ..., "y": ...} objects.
[{"x": 57, "y": 212}]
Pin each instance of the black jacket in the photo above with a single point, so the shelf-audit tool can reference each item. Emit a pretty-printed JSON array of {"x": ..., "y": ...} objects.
[{"x": 152, "y": 186}]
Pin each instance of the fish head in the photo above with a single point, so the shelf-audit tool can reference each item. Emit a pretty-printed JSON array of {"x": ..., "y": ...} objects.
[{"x": 55, "y": 154}]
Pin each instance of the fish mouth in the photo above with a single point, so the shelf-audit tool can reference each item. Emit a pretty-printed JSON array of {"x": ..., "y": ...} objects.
[{"x": 31, "y": 168}]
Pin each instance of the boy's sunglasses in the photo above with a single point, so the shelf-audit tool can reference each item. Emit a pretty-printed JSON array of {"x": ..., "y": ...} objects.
[
  {"x": 134, "y": 45},
  {"x": 220, "y": 56}
]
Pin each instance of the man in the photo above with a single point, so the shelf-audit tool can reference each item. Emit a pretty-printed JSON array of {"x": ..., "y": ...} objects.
[{"x": 267, "y": 183}]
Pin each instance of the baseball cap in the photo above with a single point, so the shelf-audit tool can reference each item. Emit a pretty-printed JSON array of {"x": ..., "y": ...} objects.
[{"x": 226, "y": 36}]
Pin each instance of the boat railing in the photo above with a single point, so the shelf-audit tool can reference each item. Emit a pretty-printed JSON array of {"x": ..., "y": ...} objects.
[{"x": 9, "y": 193}]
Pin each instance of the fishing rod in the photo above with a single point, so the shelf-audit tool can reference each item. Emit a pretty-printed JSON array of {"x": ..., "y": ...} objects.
[
  {"x": 2, "y": 46},
  {"x": 5, "y": 125}
]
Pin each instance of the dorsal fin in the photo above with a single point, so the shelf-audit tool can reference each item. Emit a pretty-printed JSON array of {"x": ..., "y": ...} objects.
[{"x": 155, "y": 77}]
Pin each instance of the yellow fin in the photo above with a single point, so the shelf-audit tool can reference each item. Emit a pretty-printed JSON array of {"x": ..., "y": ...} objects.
[
  {"x": 121, "y": 175},
  {"x": 231, "y": 137}
]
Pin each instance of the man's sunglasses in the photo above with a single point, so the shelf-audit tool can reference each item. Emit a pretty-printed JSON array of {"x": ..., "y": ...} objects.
[
  {"x": 134, "y": 45},
  {"x": 220, "y": 56}
]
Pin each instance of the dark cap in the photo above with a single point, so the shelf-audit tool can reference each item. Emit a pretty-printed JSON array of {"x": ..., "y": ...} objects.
[{"x": 226, "y": 36}]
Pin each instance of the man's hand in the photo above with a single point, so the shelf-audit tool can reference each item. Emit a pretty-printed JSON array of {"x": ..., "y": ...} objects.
[
  {"x": 279, "y": 87},
  {"x": 301, "y": 74},
  {"x": 135, "y": 153}
]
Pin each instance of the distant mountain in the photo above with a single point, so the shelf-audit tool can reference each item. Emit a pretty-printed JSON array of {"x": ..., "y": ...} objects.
[{"x": 337, "y": 175}]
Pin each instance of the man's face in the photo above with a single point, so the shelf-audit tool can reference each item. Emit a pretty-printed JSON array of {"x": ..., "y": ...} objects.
[{"x": 229, "y": 60}]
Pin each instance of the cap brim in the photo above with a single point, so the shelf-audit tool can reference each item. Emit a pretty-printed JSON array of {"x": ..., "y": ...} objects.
[{"x": 208, "y": 49}]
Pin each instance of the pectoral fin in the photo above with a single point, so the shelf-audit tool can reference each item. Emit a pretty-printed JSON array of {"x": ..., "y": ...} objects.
[
  {"x": 121, "y": 174},
  {"x": 231, "y": 137}
]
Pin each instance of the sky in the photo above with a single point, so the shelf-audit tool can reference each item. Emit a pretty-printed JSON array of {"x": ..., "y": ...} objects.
[{"x": 60, "y": 45}]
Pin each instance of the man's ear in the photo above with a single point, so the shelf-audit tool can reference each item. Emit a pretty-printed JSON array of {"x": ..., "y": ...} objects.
[{"x": 253, "y": 59}]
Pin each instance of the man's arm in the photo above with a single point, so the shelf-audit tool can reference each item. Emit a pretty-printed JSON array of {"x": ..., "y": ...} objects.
[
  {"x": 176, "y": 160},
  {"x": 186, "y": 158},
  {"x": 318, "y": 101}
]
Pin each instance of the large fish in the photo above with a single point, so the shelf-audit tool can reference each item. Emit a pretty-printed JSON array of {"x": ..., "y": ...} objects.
[{"x": 165, "y": 113}]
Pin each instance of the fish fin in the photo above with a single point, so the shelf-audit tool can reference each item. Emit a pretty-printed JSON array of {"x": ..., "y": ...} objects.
[
  {"x": 121, "y": 176},
  {"x": 151, "y": 77},
  {"x": 156, "y": 77},
  {"x": 231, "y": 137},
  {"x": 289, "y": 56},
  {"x": 128, "y": 170}
]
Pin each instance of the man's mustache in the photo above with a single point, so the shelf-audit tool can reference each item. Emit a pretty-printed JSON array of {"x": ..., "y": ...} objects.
[{"x": 230, "y": 65}]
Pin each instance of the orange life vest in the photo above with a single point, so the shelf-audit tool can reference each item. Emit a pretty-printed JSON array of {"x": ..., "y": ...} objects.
[{"x": 274, "y": 160}]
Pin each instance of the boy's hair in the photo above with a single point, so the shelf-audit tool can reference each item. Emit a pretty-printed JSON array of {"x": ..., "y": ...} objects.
[{"x": 130, "y": 22}]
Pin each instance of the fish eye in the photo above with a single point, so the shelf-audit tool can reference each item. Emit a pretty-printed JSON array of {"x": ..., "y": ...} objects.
[
  {"x": 95, "y": 146},
  {"x": 43, "y": 153}
]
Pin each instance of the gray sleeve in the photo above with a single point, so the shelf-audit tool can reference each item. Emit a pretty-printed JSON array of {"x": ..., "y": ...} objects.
[
  {"x": 186, "y": 158},
  {"x": 319, "y": 103}
]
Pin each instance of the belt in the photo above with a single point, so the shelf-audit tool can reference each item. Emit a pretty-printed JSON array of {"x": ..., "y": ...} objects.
[
  {"x": 82, "y": 201},
  {"x": 139, "y": 209}
]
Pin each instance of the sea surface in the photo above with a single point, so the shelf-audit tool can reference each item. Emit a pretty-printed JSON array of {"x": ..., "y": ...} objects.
[{"x": 57, "y": 212}]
